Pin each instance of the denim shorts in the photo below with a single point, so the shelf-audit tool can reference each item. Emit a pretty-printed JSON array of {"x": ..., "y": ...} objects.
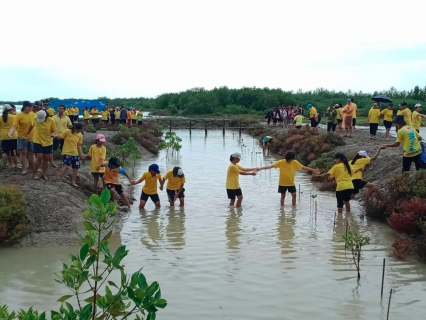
[
  {"x": 24, "y": 144},
  {"x": 71, "y": 161}
]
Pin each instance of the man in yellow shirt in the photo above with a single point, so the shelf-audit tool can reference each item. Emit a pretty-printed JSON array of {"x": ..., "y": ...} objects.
[
  {"x": 63, "y": 123},
  {"x": 373, "y": 120},
  {"x": 174, "y": 188},
  {"x": 409, "y": 138},
  {"x": 313, "y": 115},
  {"x": 95, "y": 116},
  {"x": 354, "y": 114},
  {"x": 387, "y": 115},
  {"x": 404, "y": 111},
  {"x": 149, "y": 190},
  {"x": 86, "y": 115},
  {"x": 417, "y": 117}
]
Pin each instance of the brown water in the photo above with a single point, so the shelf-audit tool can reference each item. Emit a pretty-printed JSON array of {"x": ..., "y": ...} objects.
[{"x": 258, "y": 262}]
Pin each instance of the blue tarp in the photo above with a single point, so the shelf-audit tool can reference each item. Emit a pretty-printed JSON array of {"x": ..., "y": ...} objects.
[{"x": 81, "y": 104}]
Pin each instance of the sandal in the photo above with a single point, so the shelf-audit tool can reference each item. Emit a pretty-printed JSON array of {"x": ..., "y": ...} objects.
[
  {"x": 36, "y": 177},
  {"x": 24, "y": 173},
  {"x": 44, "y": 177}
]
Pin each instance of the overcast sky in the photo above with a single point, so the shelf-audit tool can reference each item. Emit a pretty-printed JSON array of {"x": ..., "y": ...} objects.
[{"x": 87, "y": 49}]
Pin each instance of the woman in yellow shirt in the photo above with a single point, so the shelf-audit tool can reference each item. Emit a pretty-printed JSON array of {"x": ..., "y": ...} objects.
[
  {"x": 105, "y": 115},
  {"x": 232, "y": 179},
  {"x": 343, "y": 174},
  {"x": 9, "y": 144},
  {"x": 73, "y": 139},
  {"x": 373, "y": 119},
  {"x": 387, "y": 115}
]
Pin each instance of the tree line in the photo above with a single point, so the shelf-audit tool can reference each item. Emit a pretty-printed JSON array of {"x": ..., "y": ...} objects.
[{"x": 256, "y": 101}]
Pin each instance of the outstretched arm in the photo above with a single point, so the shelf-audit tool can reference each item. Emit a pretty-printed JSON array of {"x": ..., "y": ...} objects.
[
  {"x": 377, "y": 154},
  {"x": 315, "y": 171},
  {"x": 266, "y": 167}
]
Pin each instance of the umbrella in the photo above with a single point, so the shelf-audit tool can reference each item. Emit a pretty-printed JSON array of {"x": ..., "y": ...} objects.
[{"x": 382, "y": 98}]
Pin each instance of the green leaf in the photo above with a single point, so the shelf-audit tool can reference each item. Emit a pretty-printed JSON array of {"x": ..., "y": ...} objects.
[
  {"x": 107, "y": 236},
  {"x": 105, "y": 250},
  {"x": 88, "y": 226},
  {"x": 83, "y": 251},
  {"x": 157, "y": 294},
  {"x": 151, "y": 316},
  {"x": 96, "y": 278},
  {"x": 76, "y": 263},
  {"x": 42, "y": 316},
  {"x": 95, "y": 200},
  {"x": 142, "y": 282},
  {"x": 161, "y": 303},
  {"x": 111, "y": 283},
  {"x": 105, "y": 196}
]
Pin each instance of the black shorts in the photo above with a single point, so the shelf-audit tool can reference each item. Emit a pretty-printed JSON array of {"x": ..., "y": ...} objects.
[
  {"x": 407, "y": 161},
  {"x": 280, "y": 120},
  {"x": 298, "y": 127},
  {"x": 10, "y": 147},
  {"x": 95, "y": 121},
  {"x": 274, "y": 120},
  {"x": 171, "y": 193},
  {"x": 58, "y": 144},
  {"x": 105, "y": 121},
  {"x": 283, "y": 189},
  {"x": 38, "y": 148},
  {"x": 133, "y": 121},
  {"x": 314, "y": 123},
  {"x": 339, "y": 121},
  {"x": 353, "y": 122},
  {"x": 343, "y": 196},
  {"x": 387, "y": 124},
  {"x": 232, "y": 193},
  {"x": 358, "y": 185},
  {"x": 123, "y": 121},
  {"x": 118, "y": 187},
  {"x": 154, "y": 197},
  {"x": 140, "y": 122},
  {"x": 97, "y": 174}
]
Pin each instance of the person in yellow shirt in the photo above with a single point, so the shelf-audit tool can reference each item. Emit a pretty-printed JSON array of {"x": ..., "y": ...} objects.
[
  {"x": 288, "y": 167},
  {"x": 373, "y": 120},
  {"x": 404, "y": 111},
  {"x": 134, "y": 116},
  {"x": 358, "y": 167},
  {"x": 73, "y": 139},
  {"x": 342, "y": 172},
  {"x": 95, "y": 116},
  {"x": 86, "y": 115},
  {"x": 97, "y": 152},
  {"x": 313, "y": 115},
  {"x": 175, "y": 182},
  {"x": 149, "y": 190},
  {"x": 339, "y": 116},
  {"x": 51, "y": 112},
  {"x": 9, "y": 144},
  {"x": 76, "y": 113},
  {"x": 63, "y": 123},
  {"x": 298, "y": 120},
  {"x": 232, "y": 179},
  {"x": 387, "y": 115},
  {"x": 416, "y": 118},
  {"x": 45, "y": 129},
  {"x": 139, "y": 117},
  {"x": 410, "y": 139},
  {"x": 354, "y": 114},
  {"x": 105, "y": 115},
  {"x": 112, "y": 172},
  {"x": 348, "y": 112}
]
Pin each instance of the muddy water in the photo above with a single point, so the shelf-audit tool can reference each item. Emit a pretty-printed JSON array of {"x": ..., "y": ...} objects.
[{"x": 258, "y": 262}]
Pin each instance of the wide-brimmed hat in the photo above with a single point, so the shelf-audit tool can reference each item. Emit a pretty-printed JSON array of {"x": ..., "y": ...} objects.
[{"x": 399, "y": 120}]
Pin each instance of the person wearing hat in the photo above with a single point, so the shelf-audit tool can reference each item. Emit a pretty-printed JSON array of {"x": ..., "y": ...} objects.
[
  {"x": 112, "y": 180},
  {"x": 387, "y": 115},
  {"x": 358, "y": 167},
  {"x": 409, "y": 138},
  {"x": 97, "y": 152},
  {"x": 175, "y": 182},
  {"x": 348, "y": 112},
  {"x": 313, "y": 115},
  {"x": 22, "y": 123},
  {"x": 373, "y": 120},
  {"x": 354, "y": 114},
  {"x": 416, "y": 118},
  {"x": 331, "y": 118},
  {"x": 149, "y": 190},
  {"x": 266, "y": 141},
  {"x": 404, "y": 111},
  {"x": 9, "y": 143},
  {"x": 45, "y": 129},
  {"x": 45, "y": 104},
  {"x": 232, "y": 179},
  {"x": 288, "y": 167}
]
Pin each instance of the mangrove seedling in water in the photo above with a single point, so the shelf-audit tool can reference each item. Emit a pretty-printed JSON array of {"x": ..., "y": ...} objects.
[
  {"x": 354, "y": 243},
  {"x": 87, "y": 277},
  {"x": 171, "y": 143}
]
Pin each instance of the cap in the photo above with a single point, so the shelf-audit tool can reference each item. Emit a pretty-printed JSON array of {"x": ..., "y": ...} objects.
[
  {"x": 399, "y": 120},
  {"x": 177, "y": 171},
  {"x": 309, "y": 105},
  {"x": 7, "y": 107},
  {"x": 236, "y": 155},
  {"x": 45, "y": 101},
  {"x": 418, "y": 105},
  {"x": 27, "y": 104},
  {"x": 154, "y": 167},
  {"x": 38, "y": 104},
  {"x": 41, "y": 116},
  {"x": 336, "y": 105},
  {"x": 349, "y": 99},
  {"x": 363, "y": 153},
  {"x": 100, "y": 137}
]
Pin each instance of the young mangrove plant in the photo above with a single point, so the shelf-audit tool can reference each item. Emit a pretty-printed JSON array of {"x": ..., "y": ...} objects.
[
  {"x": 354, "y": 243},
  {"x": 170, "y": 143}
]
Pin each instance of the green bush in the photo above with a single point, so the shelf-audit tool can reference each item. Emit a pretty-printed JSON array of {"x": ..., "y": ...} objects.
[
  {"x": 90, "y": 128},
  {"x": 14, "y": 219}
]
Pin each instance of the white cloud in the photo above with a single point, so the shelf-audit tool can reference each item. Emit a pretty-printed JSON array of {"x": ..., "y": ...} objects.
[{"x": 144, "y": 48}]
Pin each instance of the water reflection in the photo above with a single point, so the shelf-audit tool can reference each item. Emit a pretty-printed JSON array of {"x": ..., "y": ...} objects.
[
  {"x": 285, "y": 233},
  {"x": 175, "y": 231},
  {"x": 233, "y": 230},
  {"x": 151, "y": 229}
]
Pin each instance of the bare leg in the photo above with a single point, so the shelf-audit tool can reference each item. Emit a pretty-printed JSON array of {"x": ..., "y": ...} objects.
[
  {"x": 142, "y": 204},
  {"x": 126, "y": 201},
  {"x": 181, "y": 201},
  {"x": 239, "y": 200},
  {"x": 232, "y": 202},
  {"x": 4, "y": 158},
  {"x": 348, "y": 206},
  {"x": 370, "y": 190},
  {"x": 293, "y": 199},
  {"x": 95, "y": 185},
  {"x": 23, "y": 158},
  {"x": 282, "y": 199},
  {"x": 157, "y": 204},
  {"x": 74, "y": 177},
  {"x": 339, "y": 210},
  {"x": 63, "y": 171},
  {"x": 46, "y": 158},
  {"x": 51, "y": 160},
  {"x": 387, "y": 134}
]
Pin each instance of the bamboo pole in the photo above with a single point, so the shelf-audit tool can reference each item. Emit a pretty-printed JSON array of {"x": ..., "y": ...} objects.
[
  {"x": 390, "y": 297},
  {"x": 383, "y": 276}
]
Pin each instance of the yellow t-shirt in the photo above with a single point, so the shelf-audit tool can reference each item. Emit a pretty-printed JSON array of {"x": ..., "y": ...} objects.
[
  {"x": 71, "y": 140},
  {"x": 139, "y": 116},
  {"x": 355, "y": 109},
  {"x": 349, "y": 108},
  {"x": 374, "y": 115},
  {"x": 287, "y": 171},
  {"x": 5, "y": 127},
  {"x": 173, "y": 183},
  {"x": 416, "y": 120},
  {"x": 96, "y": 154},
  {"x": 150, "y": 186},
  {"x": 24, "y": 121},
  {"x": 407, "y": 115},
  {"x": 104, "y": 115},
  {"x": 134, "y": 117},
  {"x": 95, "y": 114},
  {"x": 360, "y": 163},
  {"x": 408, "y": 137},
  {"x": 117, "y": 115},
  {"x": 44, "y": 130},
  {"x": 313, "y": 112},
  {"x": 76, "y": 111},
  {"x": 339, "y": 114},
  {"x": 86, "y": 114},
  {"x": 62, "y": 123},
  {"x": 299, "y": 120},
  {"x": 66, "y": 112},
  {"x": 232, "y": 177},
  {"x": 342, "y": 176},
  {"x": 387, "y": 114}
]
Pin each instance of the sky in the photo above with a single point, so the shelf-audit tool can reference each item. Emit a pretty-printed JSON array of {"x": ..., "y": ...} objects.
[{"x": 139, "y": 48}]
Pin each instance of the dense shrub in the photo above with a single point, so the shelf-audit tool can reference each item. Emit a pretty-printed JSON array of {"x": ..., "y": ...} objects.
[
  {"x": 402, "y": 247},
  {"x": 409, "y": 217},
  {"x": 148, "y": 136},
  {"x": 376, "y": 206},
  {"x": 90, "y": 128},
  {"x": 14, "y": 218}
]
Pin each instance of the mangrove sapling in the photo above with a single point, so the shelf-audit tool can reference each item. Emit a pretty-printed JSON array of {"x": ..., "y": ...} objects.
[
  {"x": 128, "y": 150},
  {"x": 171, "y": 143},
  {"x": 354, "y": 243}
]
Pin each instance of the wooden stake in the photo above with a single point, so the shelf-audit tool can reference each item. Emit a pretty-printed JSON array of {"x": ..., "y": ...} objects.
[
  {"x": 190, "y": 126},
  {"x": 347, "y": 227},
  {"x": 170, "y": 126},
  {"x": 383, "y": 277},
  {"x": 390, "y": 297},
  {"x": 223, "y": 130},
  {"x": 315, "y": 211},
  {"x": 205, "y": 127},
  {"x": 240, "y": 128},
  {"x": 334, "y": 222}
]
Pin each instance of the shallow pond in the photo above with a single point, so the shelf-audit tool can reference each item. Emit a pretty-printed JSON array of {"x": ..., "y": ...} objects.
[{"x": 258, "y": 262}]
